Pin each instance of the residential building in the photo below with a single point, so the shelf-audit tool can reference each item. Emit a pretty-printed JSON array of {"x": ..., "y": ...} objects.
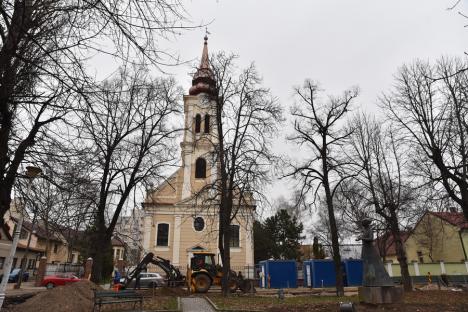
[{"x": 437, "y": 236}]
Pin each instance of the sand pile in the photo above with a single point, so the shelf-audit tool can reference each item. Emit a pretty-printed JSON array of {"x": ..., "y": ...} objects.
[{"x": 76, "y": 297}]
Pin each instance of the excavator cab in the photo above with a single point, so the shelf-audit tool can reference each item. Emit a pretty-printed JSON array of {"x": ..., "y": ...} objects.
[{"x": 204, "y": 261}]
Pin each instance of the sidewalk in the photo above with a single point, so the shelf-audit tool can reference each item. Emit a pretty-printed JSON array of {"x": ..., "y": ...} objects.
[
  {"x": 195, "y": 304},
  {"x": 26, "y": 288}
]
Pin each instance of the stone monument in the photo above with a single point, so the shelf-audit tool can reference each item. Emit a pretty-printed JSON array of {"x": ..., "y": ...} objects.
[{"x": 377, "y": 286}]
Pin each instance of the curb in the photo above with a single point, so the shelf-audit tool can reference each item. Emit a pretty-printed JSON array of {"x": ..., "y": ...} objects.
[{"x": 228, "y": 310}]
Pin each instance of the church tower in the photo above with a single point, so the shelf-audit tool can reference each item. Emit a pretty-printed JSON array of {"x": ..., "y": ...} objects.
[
  {"x": 200, "y": 129},
  {"x": 176, "y": 224}
]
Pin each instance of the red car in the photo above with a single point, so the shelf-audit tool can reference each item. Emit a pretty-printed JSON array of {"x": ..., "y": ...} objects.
[{"x": 58, "y": 280}]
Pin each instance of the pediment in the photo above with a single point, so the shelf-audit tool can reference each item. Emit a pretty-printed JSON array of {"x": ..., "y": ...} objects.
[{"x": 196, "y": 248}]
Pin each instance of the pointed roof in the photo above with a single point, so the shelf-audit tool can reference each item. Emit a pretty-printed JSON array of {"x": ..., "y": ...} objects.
[{"x": 203, "y": 79}]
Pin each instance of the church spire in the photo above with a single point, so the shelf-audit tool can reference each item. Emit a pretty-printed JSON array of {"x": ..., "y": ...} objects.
[{"x": 203, "y": 79}]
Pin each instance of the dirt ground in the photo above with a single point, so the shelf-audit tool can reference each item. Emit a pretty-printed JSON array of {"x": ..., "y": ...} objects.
[
  {"x": 76, "y": 297},
  {"x": 79, "y": 297},
  {"x": 420, "y": 301}
]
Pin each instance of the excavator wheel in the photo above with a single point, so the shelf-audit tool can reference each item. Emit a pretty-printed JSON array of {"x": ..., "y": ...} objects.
[
  {"x": 233, "y": 285},
  {"x": 202, "y": 283},
  {"x": 247, "y": 286}
]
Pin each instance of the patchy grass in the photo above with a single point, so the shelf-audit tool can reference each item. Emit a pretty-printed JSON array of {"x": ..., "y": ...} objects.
[
  {"x": 149, "y": 303},
  {"x": 429, "y": 301},
  {"x": 259, "y": 302}
]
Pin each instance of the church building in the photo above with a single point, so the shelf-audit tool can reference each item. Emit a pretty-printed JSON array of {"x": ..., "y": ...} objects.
[{"x": 176, "y": 221}]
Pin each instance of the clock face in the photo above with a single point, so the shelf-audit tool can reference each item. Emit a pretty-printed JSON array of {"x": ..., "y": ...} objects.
[{"x": 198, "y": 224}]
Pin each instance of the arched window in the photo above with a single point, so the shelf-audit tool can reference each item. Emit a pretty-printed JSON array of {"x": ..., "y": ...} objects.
[
  {"x": 197, "y": 123},
  {"x": 200, "y": 168},
  {"x": 207, "y": 123},
  {"x": 163, "y": 235}
]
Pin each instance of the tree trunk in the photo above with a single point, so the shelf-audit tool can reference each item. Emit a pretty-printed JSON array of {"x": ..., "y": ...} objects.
[
  {"x": 101, "y": 252},
  {"x": 400, "y": 252},
  {"x": 333, "y": 230},
  {"x": 226, "y": 259}
]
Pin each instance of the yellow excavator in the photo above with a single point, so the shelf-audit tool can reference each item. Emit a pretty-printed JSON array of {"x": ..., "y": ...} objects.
[{"x": 204, "y": 272}]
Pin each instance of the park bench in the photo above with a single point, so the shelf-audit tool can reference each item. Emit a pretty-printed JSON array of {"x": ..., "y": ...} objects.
[{"x": 110, "y": 297}]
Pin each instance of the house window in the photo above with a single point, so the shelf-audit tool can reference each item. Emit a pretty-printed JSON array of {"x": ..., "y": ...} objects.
[
  {"x": 23, "y": 234},
  {"x": 117, "y": 254},
  {"x": 2, "y": 262},
  {"x": 207, "y": 123},
  {"x": 55, "y": 248},
  {"x": 163, "y": 235},
  {"x": 198, "y": 224},
  {"x": 197, "y": 123},
  {"x": 420, "y": 257},
  {"x": 234, "y": 235},
  {"x": 31, "y": 264},
  {"x": 200, "y": 168}
]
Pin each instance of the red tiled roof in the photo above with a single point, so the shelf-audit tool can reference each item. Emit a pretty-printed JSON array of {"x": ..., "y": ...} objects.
[
  {"x": 454, "y": 218},
  {"x": 386, "y": 241}
]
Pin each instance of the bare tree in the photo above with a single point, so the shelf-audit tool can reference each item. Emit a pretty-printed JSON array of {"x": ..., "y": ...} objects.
[
  {"x": 317, "y": 128},
  {"x": 429, "y": 104},
  {"x": 246, "y": 120},
  {"x": 128, "y": 127},
  {"x": 58, "y": 204},
  {"x": 44, "y": 49},
  {"x": 377, "y": 158}
]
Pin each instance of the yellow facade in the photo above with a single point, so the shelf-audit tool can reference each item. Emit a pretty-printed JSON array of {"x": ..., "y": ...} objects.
[
  {"x": 434, "y": 239},
  {"x": 437, "y": 237}
]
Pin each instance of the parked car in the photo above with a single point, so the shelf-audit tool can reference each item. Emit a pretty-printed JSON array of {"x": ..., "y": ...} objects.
[
  {"x": 58, "y": 280},
  {"x": 147, "y": 280},
  {"x": 14, "y": 275}
]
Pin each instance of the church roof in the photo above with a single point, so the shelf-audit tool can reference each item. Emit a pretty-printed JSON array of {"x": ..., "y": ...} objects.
[{"x": 203, "y": 79}]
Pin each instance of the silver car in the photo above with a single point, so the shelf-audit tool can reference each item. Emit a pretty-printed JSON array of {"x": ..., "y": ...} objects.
[{"x": 148, "y": 280}]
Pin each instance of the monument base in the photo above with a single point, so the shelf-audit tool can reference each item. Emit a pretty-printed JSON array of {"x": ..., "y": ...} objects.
[{"x": 380, "y": 294}]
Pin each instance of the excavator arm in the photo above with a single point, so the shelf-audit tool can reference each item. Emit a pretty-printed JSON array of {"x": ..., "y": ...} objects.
[{"x": 173, "y": 275}]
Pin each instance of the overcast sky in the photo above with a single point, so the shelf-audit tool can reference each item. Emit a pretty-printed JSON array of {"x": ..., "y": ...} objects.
[{"x": 340, "y": 43}]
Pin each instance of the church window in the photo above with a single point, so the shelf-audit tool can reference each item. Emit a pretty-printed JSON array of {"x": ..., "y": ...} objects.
[
  {"x": 234, "y": 235},
  {"x": 198, "y": 224},
  {"x": 163, "y": 235},
  {"x": 207, "y": 123},
  {"x": 200, "y": 168},
  {"x": 197, "y": 123}
]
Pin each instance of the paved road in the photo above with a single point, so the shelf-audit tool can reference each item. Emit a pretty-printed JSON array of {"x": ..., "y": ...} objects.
[{"x": 195, "y": 304}]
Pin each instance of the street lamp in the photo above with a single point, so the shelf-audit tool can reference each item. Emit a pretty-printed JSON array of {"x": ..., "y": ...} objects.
[{"x": 31, "y": 173}]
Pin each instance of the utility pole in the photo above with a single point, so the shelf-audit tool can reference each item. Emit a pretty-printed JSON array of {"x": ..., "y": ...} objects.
[{"x": 31, "y": 173}]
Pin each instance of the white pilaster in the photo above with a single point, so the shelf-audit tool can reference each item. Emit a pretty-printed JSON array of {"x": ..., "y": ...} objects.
[
  {"x": 416, "y": 268},
  {"x": 389, "y": 268},
  {"x": 147, "y": 233},
  {"x": 442, "y": 267},
  {"x": 186, "y": 187},
  {"x": 176, "y": 244},
  {"x": 466, "y": 266},
  {"x": 249, "y": 259}
]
